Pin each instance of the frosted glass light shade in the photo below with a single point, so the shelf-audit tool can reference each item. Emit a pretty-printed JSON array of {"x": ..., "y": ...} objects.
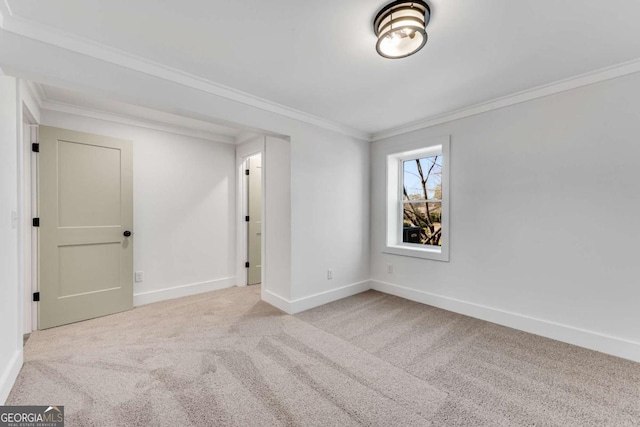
[{"x": 400, "y": 28}]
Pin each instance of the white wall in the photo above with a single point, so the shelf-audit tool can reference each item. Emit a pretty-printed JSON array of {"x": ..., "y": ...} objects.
[
  {"x": 10, "y": 292},
  {"x": 184, "y": 208},
  {"x": 545, "y": 218},
  {"x": 330, "y": 187},
  {"x": 277, "y": 205}
]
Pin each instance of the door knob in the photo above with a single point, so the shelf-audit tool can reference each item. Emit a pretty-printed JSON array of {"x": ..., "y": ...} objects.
[{"x": 127, "y": 233}]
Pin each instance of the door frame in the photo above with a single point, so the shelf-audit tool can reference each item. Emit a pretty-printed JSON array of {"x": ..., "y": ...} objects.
[
  {"x": 27, "y": 209},
  {"x": 243, "y": 153}
]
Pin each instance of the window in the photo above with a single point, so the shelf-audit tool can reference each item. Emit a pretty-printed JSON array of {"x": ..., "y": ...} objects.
[{"x": 417, "y": 201}]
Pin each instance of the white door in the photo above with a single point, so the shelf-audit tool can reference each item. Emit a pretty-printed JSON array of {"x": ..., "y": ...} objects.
[
  {"x": 254, "y": 274},
  {"x": 85, "y": 189}
]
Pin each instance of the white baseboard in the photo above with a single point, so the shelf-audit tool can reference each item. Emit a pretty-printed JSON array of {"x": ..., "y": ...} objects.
[
  {"x": 569, "y": 334},
  {"x": 182, "y": 291},
  {"x": 9, "y": 376},
  {"x": 276, "y": 301},
  {"x": 306, "y": 303}
]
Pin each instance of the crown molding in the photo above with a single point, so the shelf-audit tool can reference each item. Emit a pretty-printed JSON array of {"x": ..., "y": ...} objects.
[
  {"x": 32, "y": 101},
  {"x": 45, "y": 104},
  {"x": 128, "y": 120},
  {"x": 37, "y": 92},
  {"x": 39, "y": 32},
  {"x": 246, "y": 136},
  {"x": 592, "y": 77}
]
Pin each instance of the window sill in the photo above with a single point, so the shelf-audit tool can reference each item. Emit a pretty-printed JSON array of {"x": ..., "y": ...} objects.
[{"x": 416, "y": 251}]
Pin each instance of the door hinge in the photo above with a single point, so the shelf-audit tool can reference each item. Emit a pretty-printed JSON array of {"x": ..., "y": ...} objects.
[
  {"x": 36, "y": 296},
  {"x": 246, "y": 218},
  {"x": 246, "y": 264},
  {"x": 246, "y": 172},
  {"x": 35, "y": 147},
  {"x": 36, "y": 222}
]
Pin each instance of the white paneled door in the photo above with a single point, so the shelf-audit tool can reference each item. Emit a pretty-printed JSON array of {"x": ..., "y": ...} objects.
[{"x": 85, "y": 199}]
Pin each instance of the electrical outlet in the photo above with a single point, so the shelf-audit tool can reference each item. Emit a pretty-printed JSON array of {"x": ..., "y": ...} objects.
[
  {"x": 139, "y": 276},
  {"x": 329, "y": 274},
  {"x": 389, "y": 268}
]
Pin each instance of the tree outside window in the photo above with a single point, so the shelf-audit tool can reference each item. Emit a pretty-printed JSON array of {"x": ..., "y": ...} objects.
[{"x": 422, "y": 201}]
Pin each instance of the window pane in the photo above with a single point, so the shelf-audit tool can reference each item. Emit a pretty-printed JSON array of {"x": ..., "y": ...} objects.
[
  {"x": 422, "y": 178},
  {"x": 422, "y": 223}
]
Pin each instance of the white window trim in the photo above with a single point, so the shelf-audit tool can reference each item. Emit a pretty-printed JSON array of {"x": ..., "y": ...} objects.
[{"x": 393, "y": 242}]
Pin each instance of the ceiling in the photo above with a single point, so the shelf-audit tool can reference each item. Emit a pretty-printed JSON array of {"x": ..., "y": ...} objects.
[{"x": 320, "y": 58}]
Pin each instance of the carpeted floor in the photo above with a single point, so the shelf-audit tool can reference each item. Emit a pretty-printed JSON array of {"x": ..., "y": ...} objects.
[{"x": 226, "y": 358}]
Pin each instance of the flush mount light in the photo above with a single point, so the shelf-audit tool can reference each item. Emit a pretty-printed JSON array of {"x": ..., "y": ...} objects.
[{"x": 400, "y": 28}]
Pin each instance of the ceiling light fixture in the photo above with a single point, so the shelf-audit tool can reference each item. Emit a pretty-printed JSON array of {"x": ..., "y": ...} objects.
[{"x": 400, "y": 28}]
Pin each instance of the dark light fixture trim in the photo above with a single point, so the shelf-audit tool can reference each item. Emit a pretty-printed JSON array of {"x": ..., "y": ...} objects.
[{"x": 400, "y": 28}]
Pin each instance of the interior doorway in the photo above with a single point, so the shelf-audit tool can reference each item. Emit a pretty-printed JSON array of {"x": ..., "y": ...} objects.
[
  {"x": 253, "y": 175},
  {"x": 251, "y": 262}
]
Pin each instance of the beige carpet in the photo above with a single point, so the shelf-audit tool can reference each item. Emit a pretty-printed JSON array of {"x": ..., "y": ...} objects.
[{"x": 226, "y": 358}]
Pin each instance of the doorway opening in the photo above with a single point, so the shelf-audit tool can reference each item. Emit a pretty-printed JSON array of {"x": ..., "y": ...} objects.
[
  {"x": 253, "y": 178},
  {"x": 251, "y": 199}
]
